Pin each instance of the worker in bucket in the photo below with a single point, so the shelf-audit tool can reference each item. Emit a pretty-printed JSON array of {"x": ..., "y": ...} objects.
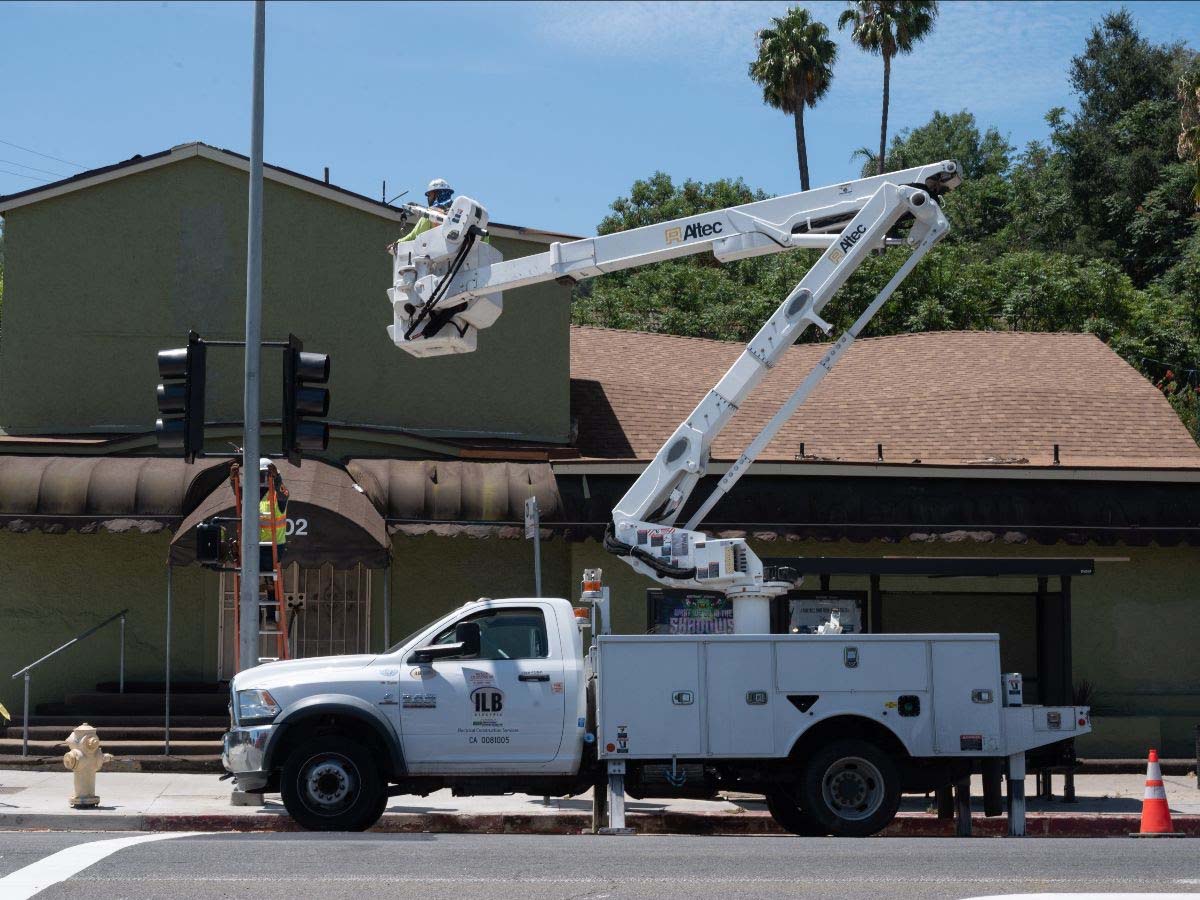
[
  {"x": 272, "y": 518},
  {"x": 438, "y": 196}
]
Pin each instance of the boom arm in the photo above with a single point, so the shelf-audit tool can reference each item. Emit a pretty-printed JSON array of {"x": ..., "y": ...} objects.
[
  {"x": 849, "y": 221},
  {"x": 643, "y": 521},
  {"x": 447, "y": 285}
]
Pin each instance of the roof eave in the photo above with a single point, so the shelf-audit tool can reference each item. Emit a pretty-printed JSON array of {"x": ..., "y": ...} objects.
[
  {"x": 903, "y": 470},
  {"x": 237, "y": 161}
]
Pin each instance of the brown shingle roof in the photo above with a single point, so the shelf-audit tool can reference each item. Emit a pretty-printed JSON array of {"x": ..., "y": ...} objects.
[{"x": 948, "y": 398}]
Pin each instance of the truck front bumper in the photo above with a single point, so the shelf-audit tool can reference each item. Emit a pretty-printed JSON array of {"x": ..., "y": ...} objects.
[{"x": 244, "y": 754}]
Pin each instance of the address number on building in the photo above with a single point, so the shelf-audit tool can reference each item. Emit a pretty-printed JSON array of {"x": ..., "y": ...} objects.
[{"x": 297, "y": 527}]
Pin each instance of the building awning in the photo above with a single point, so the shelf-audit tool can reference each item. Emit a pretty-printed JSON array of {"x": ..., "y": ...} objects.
[
  {"x": 454, "y": 491},
  {"x": 58, "y": 493},
  {"x": 330, "y": 520}
]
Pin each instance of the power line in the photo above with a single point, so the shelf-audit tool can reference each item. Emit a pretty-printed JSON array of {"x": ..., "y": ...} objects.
[
  {"x": 44, "y": 155},
  {"x": 13, "y": 162},
  {"x": 23, "y": 175}
]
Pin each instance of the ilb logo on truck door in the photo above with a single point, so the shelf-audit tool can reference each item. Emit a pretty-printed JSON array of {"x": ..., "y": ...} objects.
[{"x": 487, "y": 701}]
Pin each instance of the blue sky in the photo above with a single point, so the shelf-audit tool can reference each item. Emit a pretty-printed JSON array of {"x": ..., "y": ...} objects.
[{"x": 545, "y": 112}]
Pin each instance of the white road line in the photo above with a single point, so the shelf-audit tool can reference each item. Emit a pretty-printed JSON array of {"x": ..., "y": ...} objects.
[
  {"x": 36, "y": 877},
  {"x": 1086, "y": 897}
]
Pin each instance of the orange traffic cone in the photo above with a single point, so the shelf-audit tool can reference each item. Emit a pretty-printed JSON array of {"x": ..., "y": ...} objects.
[{"x": 1156, "y": 816}]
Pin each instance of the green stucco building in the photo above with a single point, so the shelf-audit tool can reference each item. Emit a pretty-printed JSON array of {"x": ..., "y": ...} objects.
[{"x": 1036, "y": 458}]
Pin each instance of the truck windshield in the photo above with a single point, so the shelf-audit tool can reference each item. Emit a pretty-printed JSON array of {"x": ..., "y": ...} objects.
[{"x": 404, "y": 640}]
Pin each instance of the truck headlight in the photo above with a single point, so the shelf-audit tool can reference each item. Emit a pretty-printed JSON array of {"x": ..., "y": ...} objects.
[{"x": 256, "y": 707}]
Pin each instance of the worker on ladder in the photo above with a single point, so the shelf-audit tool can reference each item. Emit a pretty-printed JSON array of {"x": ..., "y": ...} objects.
[
  {"x": 272, "y": 517},
  {"x": 438, "y": 196}
]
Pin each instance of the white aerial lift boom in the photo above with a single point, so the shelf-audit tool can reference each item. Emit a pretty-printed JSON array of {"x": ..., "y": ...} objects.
[{"x": 447, "y": 285}]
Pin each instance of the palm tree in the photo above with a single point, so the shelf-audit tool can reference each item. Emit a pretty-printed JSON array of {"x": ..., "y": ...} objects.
[
  {"x": 870, "y": 161},
  {"x": 888, "y": 28},
  {"x": 794, "y": 68}
]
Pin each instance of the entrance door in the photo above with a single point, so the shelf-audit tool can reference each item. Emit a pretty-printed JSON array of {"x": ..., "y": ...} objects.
[
  {"x": 329, "y": 612},
  {"x": 500, "y": 708}
]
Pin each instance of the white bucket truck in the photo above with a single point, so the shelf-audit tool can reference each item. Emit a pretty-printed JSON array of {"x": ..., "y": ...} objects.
[{"x": 500, "y": 696}]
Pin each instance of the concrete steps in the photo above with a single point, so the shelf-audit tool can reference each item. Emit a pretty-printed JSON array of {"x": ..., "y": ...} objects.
[
  {"x": 122, "y": 732},
  {"x": 98, "y": 703},
  {"x": 10, "y": 746},
  {"x": 130, "y": 726},
  {"x": 221, "y": 722}
]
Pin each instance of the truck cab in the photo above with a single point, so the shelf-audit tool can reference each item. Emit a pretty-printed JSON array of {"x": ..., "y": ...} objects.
[{"x": 490, "y": 696}]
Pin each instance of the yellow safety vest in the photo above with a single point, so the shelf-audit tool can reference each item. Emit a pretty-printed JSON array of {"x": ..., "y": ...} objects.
[
  {"x": 420, "y": 228},
  {"x": 425, "y": 225},
  {"x": 267, "y": 521}
]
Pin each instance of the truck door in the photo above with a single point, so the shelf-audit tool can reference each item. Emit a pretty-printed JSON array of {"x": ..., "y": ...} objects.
[{"x": 502, "y": 707}]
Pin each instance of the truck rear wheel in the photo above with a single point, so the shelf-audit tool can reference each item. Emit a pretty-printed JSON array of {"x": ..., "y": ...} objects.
[
  {"x": 790, "y": 817},
  {"x": 332, "y": 784},
  {"x": 851, "y": 788}
]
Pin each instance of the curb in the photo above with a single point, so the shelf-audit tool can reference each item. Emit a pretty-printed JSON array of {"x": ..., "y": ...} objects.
[
  {"x": 1182, "y": 767},
  {"x": 748, "y": 823}
]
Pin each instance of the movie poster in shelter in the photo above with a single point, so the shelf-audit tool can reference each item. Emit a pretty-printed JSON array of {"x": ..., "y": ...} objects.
[{"x": 675, "y": 611}]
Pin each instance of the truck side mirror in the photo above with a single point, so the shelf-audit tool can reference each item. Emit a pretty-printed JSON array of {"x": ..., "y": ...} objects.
[{"x": 467, "y": 634}]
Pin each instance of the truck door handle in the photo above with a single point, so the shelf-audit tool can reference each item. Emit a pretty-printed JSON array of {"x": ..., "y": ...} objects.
[{"x": 528, "y": 676}]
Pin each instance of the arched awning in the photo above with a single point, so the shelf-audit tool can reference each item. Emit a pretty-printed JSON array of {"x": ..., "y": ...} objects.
[
  {"x": 330, "y": 520},
  {"x": 57, "y": 493},
  {"x": 456, "y": 491}
]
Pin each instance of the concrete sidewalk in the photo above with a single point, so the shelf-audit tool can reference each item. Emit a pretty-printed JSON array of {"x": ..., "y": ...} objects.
[{"x": 145, "y": 801}]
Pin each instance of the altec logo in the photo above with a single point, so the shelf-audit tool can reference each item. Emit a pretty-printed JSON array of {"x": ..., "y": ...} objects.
[
  {"x": 695, "y": 230},
  {"x": 849, "y": 240}
]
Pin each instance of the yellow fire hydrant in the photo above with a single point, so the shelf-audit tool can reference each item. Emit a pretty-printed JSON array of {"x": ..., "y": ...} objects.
[{"x": 85, "y": 759}]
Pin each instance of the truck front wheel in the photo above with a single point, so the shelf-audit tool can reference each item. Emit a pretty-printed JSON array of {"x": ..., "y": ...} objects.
[
  {"x": 332, "y": 784},
  {"x": 851, "y": 788}
]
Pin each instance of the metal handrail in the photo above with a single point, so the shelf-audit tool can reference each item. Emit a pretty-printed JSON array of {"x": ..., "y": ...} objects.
[{"x": 75, "y": 640}]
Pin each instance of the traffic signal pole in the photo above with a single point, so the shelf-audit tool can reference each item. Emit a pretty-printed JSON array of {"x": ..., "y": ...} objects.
[{"x": 248, "y": 601}]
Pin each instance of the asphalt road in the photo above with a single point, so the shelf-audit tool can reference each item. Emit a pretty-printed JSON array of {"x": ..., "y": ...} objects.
[{"x": 464, "y": 867}]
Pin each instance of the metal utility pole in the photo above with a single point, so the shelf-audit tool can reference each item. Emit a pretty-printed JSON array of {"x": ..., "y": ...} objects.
[
  {"x": 533, "y": 532},
  {"x": 248, "y": 602}
]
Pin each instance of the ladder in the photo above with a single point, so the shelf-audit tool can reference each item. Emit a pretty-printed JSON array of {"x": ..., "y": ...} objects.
[{"x": 271, "y": 602}]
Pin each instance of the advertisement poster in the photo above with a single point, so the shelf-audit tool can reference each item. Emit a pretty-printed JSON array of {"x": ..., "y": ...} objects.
[
  {"x": 808, "y": 609},
  {"x": 673, "y": 611}
]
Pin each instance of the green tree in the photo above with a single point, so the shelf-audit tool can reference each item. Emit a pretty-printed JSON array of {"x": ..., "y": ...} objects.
[
  {"x": 1188, "y": 94},
  {"x": 979, "y": 207},
  {"x": 694, "y": 296},
  {"x": 794, "y": 68},
  {"x": 1130, "y": 193},
  {"x": 951, "y": 136},
  {"x": 888, "y": 28},
  {"x": 658, "y": 199}
]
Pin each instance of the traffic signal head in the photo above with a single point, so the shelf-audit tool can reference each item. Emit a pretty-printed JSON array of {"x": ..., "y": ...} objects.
[
  {"x": 304, "y": 405},
  {"x": 180, "y": 426}
]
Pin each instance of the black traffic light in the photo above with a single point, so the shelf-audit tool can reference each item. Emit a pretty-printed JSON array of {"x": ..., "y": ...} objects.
[
  {"x": 303, "y": 405},
  {"x": 180, "y": 426}
]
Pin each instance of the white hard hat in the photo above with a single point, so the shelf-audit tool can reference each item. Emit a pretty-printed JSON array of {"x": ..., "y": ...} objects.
[
  {"x": 439, "y": 184},
  {"x": 263, "y": 463}
]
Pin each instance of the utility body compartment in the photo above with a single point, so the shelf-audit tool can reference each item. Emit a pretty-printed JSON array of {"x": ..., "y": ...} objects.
[{"x": 753, "y": 696}]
